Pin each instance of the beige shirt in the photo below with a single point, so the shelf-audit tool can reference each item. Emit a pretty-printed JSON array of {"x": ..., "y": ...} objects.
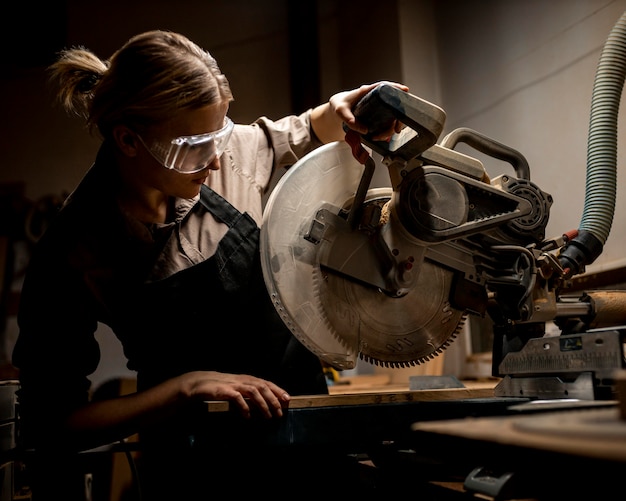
[{"x": 255, "y": 153}]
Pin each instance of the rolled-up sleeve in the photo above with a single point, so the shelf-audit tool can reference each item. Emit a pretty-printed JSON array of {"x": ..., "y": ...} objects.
[
  {"x": 290, "y": 138},
  {"x": 258, "y": 151}
]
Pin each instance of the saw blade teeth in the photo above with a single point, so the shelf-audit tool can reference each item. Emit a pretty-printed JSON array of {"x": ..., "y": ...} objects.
[{"x": 317, "y": 280}]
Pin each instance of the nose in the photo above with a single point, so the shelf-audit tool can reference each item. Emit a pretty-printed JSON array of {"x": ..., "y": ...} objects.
[{"x": 215, "y": 164}]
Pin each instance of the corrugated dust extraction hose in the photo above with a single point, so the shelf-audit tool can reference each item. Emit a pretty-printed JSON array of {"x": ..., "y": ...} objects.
[{"x": 601, "y": 180}]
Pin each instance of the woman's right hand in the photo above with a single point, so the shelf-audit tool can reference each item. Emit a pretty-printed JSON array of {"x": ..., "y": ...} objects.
[
  {"x": 104, "y": 421},
  {"x": 245, "y": 391}
]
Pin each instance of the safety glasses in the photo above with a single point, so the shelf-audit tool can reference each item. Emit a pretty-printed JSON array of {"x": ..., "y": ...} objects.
[{"x": 191, "y": 154}]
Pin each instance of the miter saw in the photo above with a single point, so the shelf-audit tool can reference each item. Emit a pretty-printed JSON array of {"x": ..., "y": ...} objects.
[{"x": 389, "y": 274}]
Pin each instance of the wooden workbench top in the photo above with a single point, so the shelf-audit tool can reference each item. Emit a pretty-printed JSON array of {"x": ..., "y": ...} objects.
[{"x": 592, "y": 432}]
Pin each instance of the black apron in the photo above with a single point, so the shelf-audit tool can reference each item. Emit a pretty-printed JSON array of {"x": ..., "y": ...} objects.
[{"x": 217, "y": 315}]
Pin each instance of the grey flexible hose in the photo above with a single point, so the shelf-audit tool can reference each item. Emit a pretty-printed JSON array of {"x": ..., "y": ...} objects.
[
  {"x": 602, "y": 142},
  {"x": 601, "y": 179}
]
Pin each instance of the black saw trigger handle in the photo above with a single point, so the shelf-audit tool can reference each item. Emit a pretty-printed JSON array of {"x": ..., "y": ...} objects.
[{"x": 382, "y": 105}]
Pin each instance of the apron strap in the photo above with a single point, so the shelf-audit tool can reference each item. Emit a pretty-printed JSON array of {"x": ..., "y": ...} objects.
[{"x": 218, "y": 206}]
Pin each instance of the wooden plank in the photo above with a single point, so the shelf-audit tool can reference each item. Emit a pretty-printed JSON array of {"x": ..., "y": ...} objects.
[
  {"x": 315, "y": 401},
  {"x": 367, "y": 384}
]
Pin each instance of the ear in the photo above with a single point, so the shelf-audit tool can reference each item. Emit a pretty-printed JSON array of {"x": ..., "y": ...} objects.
[{"x": 126, "y": 140}]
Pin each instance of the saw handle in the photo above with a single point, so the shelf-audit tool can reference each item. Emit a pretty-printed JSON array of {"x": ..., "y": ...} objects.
[{"x": 384, "y": 104}]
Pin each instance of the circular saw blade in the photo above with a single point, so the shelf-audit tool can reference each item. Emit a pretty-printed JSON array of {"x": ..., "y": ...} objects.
[
  {"x": 334, "y": 316},
  {"x": 394, "y": 331}
]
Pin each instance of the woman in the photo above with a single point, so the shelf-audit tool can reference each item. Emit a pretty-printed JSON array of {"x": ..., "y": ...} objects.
[{"x": 160, "y": 242}]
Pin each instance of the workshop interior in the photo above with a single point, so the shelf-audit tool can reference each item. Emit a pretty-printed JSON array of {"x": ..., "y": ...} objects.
[{"x": 463, "y": 283}]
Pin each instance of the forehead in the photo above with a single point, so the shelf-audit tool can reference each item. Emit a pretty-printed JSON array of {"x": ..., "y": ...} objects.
[{"x": 190, "y": 122}]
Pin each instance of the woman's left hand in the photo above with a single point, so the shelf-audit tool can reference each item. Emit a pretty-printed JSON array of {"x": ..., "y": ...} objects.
[{"x": 344, "y": 102}]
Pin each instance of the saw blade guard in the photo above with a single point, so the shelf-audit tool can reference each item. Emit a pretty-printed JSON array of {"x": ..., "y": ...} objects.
[
  {"x": 290, "y": 262},
  {"x": 330, "y": 283}
]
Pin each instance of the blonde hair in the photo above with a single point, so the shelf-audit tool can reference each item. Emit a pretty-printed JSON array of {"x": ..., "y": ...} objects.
[{"x": 150, "y": 78}]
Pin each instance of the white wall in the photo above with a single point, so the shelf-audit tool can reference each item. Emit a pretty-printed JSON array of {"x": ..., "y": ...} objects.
[{"x": 522, "y": 73}]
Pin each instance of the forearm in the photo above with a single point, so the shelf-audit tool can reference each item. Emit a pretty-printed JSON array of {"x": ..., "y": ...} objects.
[
  {"x": 326, "y": 124},
  {"x": 106, "y": 421}
]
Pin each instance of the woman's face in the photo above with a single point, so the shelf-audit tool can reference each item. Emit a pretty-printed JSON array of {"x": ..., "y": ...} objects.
[{"x": 179, "y": 154}]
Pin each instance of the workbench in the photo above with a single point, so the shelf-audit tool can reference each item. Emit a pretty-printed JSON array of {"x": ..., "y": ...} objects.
[
  {"x": 354, "y": 422},
  {"x": 429, "y": 442},
  {"x": 577, "y": 451},
  {"x": 458, "y": 443}
]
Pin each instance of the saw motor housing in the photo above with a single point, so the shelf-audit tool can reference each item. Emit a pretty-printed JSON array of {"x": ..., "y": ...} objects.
[
  {"x": 396, "y": 270},
  {"x": 487, "y": 232}
]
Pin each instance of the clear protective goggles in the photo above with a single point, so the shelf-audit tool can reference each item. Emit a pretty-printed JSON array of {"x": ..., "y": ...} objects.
[{"x": 191, "y": 154}]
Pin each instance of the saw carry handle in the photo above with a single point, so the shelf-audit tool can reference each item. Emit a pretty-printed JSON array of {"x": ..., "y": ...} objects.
[{"x": 489, "y": 147}]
